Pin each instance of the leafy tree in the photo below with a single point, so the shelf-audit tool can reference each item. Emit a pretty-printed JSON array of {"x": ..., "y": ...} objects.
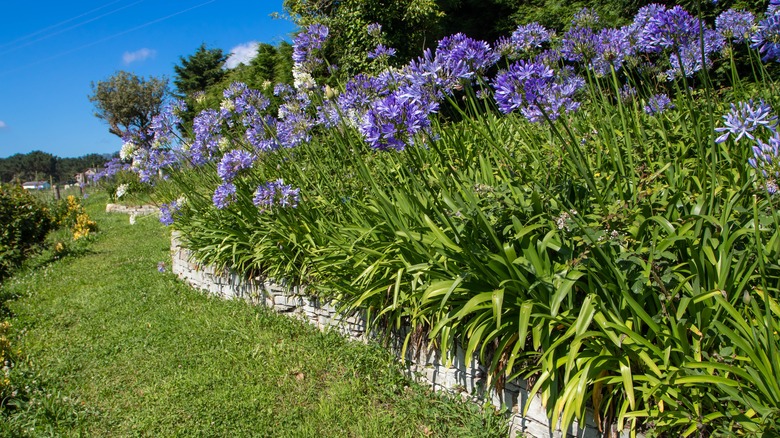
[
  {"x": 199, "y": 71},
  {"x": 127, "y": 103},
  {"x": 408, "y": 25}
]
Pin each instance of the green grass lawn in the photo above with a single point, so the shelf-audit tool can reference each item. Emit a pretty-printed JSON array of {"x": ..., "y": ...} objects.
[{"x": 115, "y": 348}]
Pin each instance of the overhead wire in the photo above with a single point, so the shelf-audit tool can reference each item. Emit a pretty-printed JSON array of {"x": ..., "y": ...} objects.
[
  {"x": 102, "y": 40},
  {"x": 54, "y": 26},
  {"x": 67, "y": 29}
]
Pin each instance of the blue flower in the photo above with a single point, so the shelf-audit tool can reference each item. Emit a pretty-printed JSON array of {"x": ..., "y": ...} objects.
[
  {"x": 658, "y": 103},
  {"x": 224, "y": 195},
  {"x": 168, "y": 212},
  {"x": 394, "y": 121},
  {"x": 234, "y": 162},
  {"x": 735, "y": 26},
  {"x": 524, "y": 39},
  {"x": 276, "y": 193},
  {"x": 307, "y": 43},
  {"x": 745, "y": 118},
  {"x": 534, "y": 90},
  {"x": 381, "y": 51},
  {"x": 767, "y": 38}
]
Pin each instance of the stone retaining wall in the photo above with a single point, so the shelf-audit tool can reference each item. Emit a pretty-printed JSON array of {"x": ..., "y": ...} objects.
[
  {"x": 463, "y": 375},
  {"x": 135, "y": 210}
]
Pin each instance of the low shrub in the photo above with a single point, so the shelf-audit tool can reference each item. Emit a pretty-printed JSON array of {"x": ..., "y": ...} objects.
[{"x": 24, "y": 223}]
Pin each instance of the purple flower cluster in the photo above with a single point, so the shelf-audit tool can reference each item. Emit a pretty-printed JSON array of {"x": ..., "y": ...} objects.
[
  {"x": 111, "y": 168},
  {"x": 276, "y": 193},
  {"x": 234, "y": 162},
  {"x": 767, "y": 37},
  {"x": 307, "y": 43},
  {"x": 163, "y": 126},
  {"x": 224, "y": 195},
  {"x": 735, "y": 26},
  {"x": 535, "y": 90},
  {"x": 381, "y": 51},
  {"x": 207, "y": 127},
  {"x": 168, "y": 212},
  {"x": 612, "y": 46},
  {"x": 745, "y": 118},
  {"x": 394, "y": 121},
  {"x": 658, "y": 103},
  {"x": 524, "y": 40}
]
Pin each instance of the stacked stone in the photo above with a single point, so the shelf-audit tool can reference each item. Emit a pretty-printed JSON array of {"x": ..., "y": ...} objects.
[{"x": 458, "y": 374}]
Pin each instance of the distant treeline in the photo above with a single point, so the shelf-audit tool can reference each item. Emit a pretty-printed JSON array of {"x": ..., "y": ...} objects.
[{"x": 41, "y": 166}]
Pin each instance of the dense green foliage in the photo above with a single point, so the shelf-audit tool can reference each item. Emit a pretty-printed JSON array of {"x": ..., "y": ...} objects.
[
  {"x": 618, "y": 256},
  {"x": 40, "y": 166},
  {"x": 112, "y": 347},
  {"x": 412, "y": 25},
  {"x": 127, "y": 102},
  {"x": 24, "y": 223}
]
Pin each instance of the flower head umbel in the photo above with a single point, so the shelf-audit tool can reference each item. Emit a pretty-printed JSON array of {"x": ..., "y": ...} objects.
[
  {"x": 207, "y": 127},
  {"x": 745, "y": 118},
  {"x": 381, "y": 51},
  {"x": 658, "y": 103},
  {"x": 307, "y": 43},
  {"x": 766, "y": 159},
  {"x": 612, "y": 48},
  {"x": 735, "y": 26},
  {"x": 535, "y": 90},
  {"x": 224, "y": 195},
  {"x": 234, "y": 162},
  {"x": 394, "y": 121},
  {"x": 524, "y": 40},
  {"x": 767, "y": 38},
  {"x": 164, "y": 125},
  {"x": 276, "y": 193},
  {"x": 168, "y": 212}
]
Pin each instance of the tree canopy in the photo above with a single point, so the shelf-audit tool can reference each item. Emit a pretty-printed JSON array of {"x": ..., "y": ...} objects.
[
  {"x": 199, "y": 71},
  {"x": 126, "y": 102}
]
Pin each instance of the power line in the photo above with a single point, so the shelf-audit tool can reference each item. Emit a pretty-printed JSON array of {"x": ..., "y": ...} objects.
[
  {"x": 75, "y": 26},
  {"x": 102, "y": 40},
  {"x": 54, "y": 26}
]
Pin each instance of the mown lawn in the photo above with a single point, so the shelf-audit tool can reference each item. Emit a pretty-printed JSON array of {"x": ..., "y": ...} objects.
[{"x": 116, "y": 348}]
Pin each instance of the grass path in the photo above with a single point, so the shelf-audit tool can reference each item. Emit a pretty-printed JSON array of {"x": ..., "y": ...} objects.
[{"x": 137, "y": 353}]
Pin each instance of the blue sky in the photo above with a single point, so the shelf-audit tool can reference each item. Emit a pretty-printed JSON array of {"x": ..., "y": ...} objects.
[{"x": 51, "y": 51}]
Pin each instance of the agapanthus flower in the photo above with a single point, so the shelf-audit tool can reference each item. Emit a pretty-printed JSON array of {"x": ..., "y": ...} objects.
[
  {"x": 258, "y": 134},
  {"x": 745, "y": 118},
  {"x": 767, "y": 38},
  {"x": 658, "y": 103},
  {"x": 627, "y": 93},
  {"x": 735, "y": 26},
  {"x": 612, "y": 47},
  {"x": 374, "y": 29},
  {"x": 535, "y": 90},
  {"x": 578, "y": 44},
  {"x": 669, "y": 29},
  {"x": 689, "y": 59},
  {"x": 458, "y": 59},
  {"x": 207, "y": 127},
  {"x": 307, "y": 43},
  {"x": 163, "y": 127},
  {"x": 148, "y": 163},
  {"x": 276, "y": 193},
  {"x": 524, "y": 39},
  {"x": 381, "y": 51},
  {"x": 233, "y": 162},
  {"x": 773, "y": 8},
  {"x": 245, "y": 101},
  {"x": 585, "y": 17},
  {"x": 168, "y": 212},
  {"x": 766, "y": 160},
  {"x": 224, "y": 195},
  {"x": 394, "y": 121}
]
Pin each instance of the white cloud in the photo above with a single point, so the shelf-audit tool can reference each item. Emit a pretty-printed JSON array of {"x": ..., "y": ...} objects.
[
  {"x": 2, "y": 124},
  {"x": 241, "y": 54},
  {"x": 138, "y": 55}
]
